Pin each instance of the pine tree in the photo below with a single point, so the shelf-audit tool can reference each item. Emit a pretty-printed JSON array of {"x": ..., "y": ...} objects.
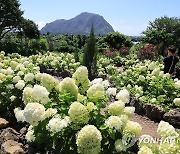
[{"x": 90, "y": 53}]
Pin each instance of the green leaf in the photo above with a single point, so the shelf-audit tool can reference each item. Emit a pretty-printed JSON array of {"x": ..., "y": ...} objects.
[
  {"x": 111, "y": 133},
  {"x": 103, "y": 127}
]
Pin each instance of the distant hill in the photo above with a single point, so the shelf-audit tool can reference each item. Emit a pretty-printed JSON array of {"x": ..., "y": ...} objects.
[{"x": 81, "y": 24}]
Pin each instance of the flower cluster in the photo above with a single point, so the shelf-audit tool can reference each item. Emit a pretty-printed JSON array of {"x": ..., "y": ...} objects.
[
  {"x": 56, "y": 124},
  {"x": 37, "y": 93},
  {"x": 33, "y": 113},
  {"x": 89, "y": 140},
  {"x": 165, "y": 129},
  {"x": 68, "y": 86},
  {"x": 96, "y": 92},
  {"x": 123, "y": 95},
  {"x": 81, "y": 79},
  {"x": 116, "y": 108},
  {"x": 114, "y": 122},
  {"x": 78, "y": 113},
  {"x": 132, "y": 127}
]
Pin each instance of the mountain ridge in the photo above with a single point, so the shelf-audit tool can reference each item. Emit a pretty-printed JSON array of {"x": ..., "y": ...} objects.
[{"x": 80, "y": 24}]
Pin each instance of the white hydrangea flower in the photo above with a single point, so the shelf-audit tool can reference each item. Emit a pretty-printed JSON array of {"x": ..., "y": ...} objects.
[
  {"x": 88, "y": 140},
  {"x": 165, "y": 129},
  {"x": 68, "y": 86},
  {"x": 145, "y": 150},
  {"x": 90, "y": 106},
  {"x": 78, "y": 113},
  {"x": 142, "y": 68},
  {"x": 169, "y": 148},
  {"x": 20, "y": 73},
  {"x": 152, "y": 66},
  {"x": 27, "y": 95},
  {"x": 12, "y": 98},
  {"x": 16, "y": 79},
  {"x": 10, "y": 86},
  {"x": 30, "y": 137},
  {"x": 48, "y": 81},
  {"x": 56, "y": 124},
  {"x": 141, "y": 78},
  {"x": 25, "y": 63},
  {"x": 9, "y": 71},
  {"x": 116, "y": 108},
  {"x": 19, "y": 114},
  {"x": 33, "y": 113},
  {"x": 97, "y": 80},
  {"x": 161, "y": 73},
  {"x": 20, "y": 85},
  {"x": 13, "y": 64},
  {"x": 176, "y": 79},
  {"x": 123, "y": 95},
  {"x": 50, "y": 112},
  {"x": 153, "y": 100},
  {"x": 20, "y": 67},
  {"x": 95, "y": 92},
  {"x": 156, "y": 71},
  {"x": 132, "y": 127},
  {"x": 29, "y": 77},
  {"x": 167, "y": 75},
  {"x": 114, "y": 122},
  {"x": 177, "y": 84},
  {"x": 81, "y": 79},
  {"x": 119, "y": 146},
  {"x": 40, "y": 94},
  {"x": 111, "y": 91},
  {"x": 38, "y": 76},
  {"x": 37, "y": 68},
  {"x": 137, "y": 95},
  {"x": 4, "y": 71},
  {"x": 106, "y": 84},
  {"x": 153, "y": 78},
  {"x": 176, "y": 101},
  {"x": 129, "y": 111}
]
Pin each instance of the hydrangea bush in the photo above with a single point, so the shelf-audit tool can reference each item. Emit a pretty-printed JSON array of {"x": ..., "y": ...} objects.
[
  {"x": 70, "y": 115},
  {"x": 146, "y": 81}
]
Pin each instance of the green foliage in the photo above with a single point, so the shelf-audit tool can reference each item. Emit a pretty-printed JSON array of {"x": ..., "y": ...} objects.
[
  {"x": 63, "y": 46},
  {"x": 10, "y": 16},
  {"x": 163, "y": 32},
  {"x": 117, "y": 40},
  {"x": 30, "y": 29},
  {"x": 11, "y": 19}
]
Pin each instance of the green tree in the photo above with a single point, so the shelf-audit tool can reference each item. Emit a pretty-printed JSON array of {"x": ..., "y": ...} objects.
[
  {"x": 11, "y": 19},
  {"x": 30, "y": 29},
  {"x": 117, "y": 40},
  {"x": 89, "y": 59},
  {"x": 163, "y": 32}
]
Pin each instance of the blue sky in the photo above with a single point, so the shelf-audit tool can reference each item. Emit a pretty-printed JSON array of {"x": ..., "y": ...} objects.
[{"x": 129, "y": 17}]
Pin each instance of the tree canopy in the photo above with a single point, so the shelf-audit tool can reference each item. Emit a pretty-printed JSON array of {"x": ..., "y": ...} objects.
[
  {"x": 163, "y": 32},
  {"x": 117, "y": 40},
  {"x": 11, "y": 19}
]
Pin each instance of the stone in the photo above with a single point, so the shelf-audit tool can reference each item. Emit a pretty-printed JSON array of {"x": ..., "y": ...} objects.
[
  {"x": 138, "y": 106},
  {"x": 9, "y": 134},
  {"x": 173, "y": 117},
  {"x": 23, "y": 130},
  {"x": 12, "y": 147},
  {"x": 154, "y": 112},
  {"x": 3, "y": 123}
]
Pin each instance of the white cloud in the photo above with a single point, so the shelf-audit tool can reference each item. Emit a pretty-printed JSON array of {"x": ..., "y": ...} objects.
[
  {"x": 129, "y": 29},
  {"x": 40, "y": 24}
]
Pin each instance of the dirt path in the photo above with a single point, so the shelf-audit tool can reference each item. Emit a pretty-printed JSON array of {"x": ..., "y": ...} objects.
[{"x": 148, "y": 127}]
